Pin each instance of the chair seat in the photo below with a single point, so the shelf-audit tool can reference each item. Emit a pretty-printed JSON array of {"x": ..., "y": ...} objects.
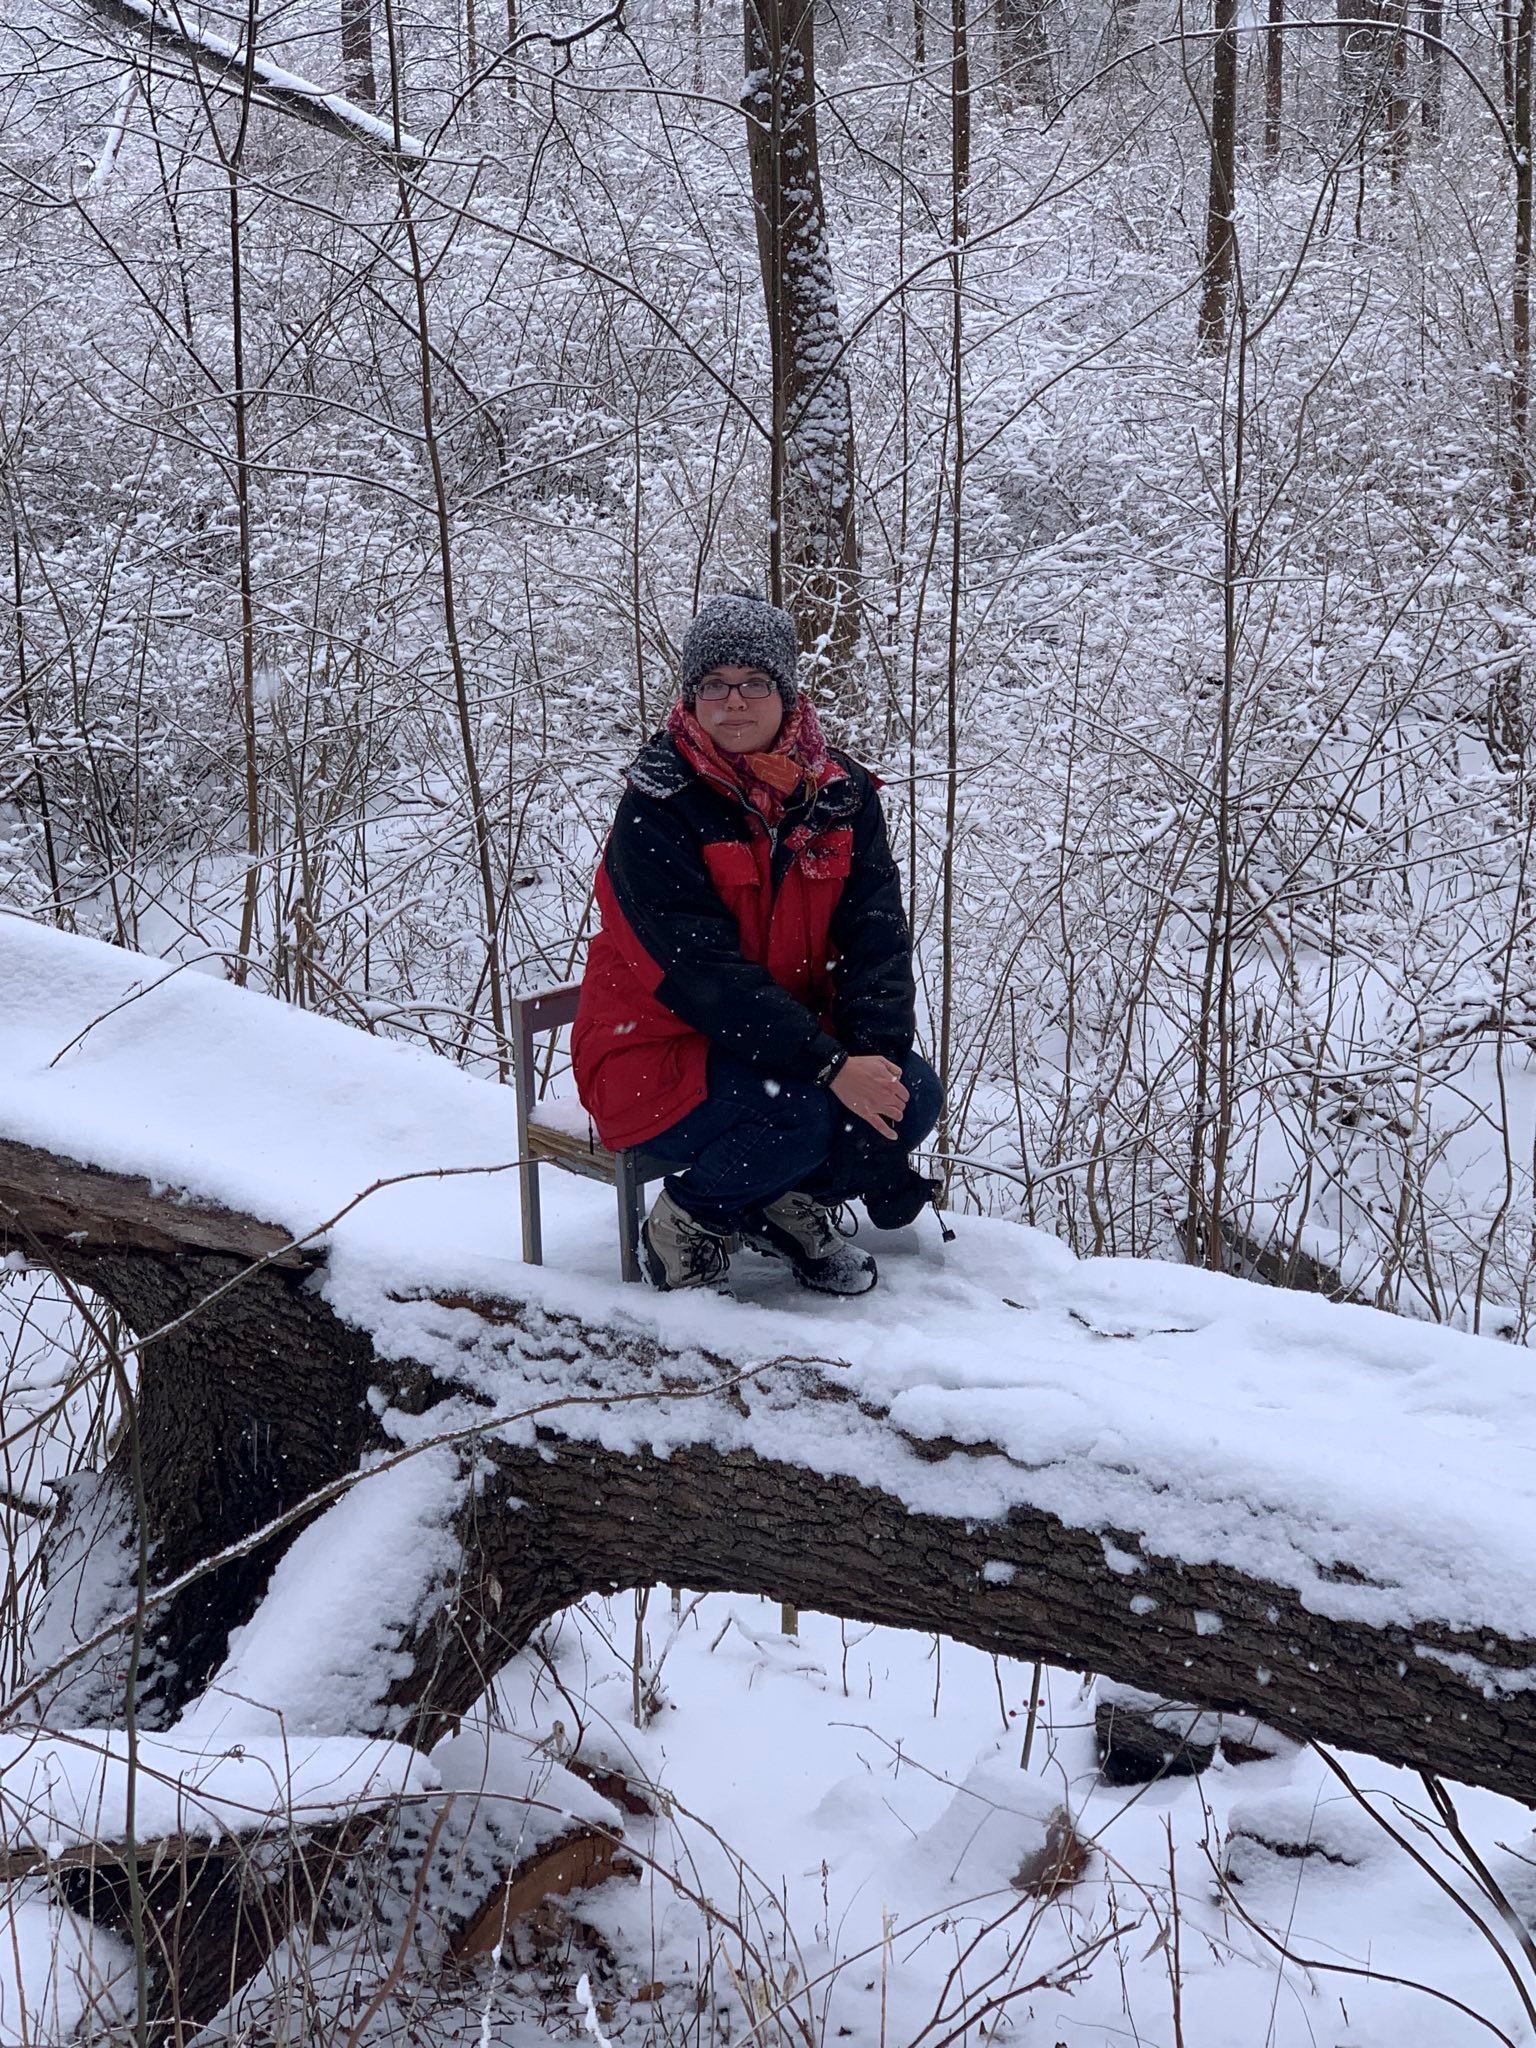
[
  {"x": 561, "y": 1139},
  {"x": 561, "y": 1134}
]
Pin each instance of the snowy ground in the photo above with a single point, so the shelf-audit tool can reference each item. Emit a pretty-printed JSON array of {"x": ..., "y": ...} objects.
[
  {"x": 853, "y": 1804},
  {"x": 859, "y": 1792}
]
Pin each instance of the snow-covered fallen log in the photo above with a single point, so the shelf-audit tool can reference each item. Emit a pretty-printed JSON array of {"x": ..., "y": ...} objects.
[
  {"x": 524, "y": 1456},
  {"x": 377, "y": 1452},
  {"x": 226, "y": 66}
]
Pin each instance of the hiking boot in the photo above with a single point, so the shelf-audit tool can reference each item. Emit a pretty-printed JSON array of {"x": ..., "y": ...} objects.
[
  {"x": 804, "y": 1231},
  {"x": 891, "y": 1205},
  {"x": 679, "y": 1251}
]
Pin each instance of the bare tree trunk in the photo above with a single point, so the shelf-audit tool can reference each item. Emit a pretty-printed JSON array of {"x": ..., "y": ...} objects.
[
  {"x": 1274, "y": 77},
  {"x": 234, "y": 159},
  {"x": 471, "y": 54},
  {"x": 1507, "y": 721},
  {"x": 959, "y": 232},
  {"x": 1363, "y": 58},
  {"x": 1220, "y": 224},
  {"x": 359, "y": 80},
  {"x": 813, "y": 542},
  {"x": 1399, "y": 106},
  {"x": 1122, "y": 24},
  {"x": 1432, "y": 21},
  {"x": 1024, "y": 64},
  {"x": 919, "y": 34},
  {"x": 1508, "y": 36},
  {"x": 464, "y": 705},
  {"x": 1520, "y": 297},
  {"x": 56, "y": 908}
]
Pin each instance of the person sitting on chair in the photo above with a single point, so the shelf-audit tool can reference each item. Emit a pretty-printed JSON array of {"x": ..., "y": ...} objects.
[{"x": 746, "y": 1014}]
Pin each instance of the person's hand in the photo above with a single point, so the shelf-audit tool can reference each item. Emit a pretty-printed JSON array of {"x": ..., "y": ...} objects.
[{"x": 873, "y": 1089}]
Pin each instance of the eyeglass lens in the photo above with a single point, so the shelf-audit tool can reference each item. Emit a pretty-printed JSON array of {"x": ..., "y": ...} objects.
[{"x": 713, "y": 691}]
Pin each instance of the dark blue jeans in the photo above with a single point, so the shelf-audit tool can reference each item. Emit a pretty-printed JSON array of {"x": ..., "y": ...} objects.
[{"x": 753, "y": 1138}]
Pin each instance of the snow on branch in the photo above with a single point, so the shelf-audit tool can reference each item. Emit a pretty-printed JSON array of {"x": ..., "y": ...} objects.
[{"x": 225, "y": 64}]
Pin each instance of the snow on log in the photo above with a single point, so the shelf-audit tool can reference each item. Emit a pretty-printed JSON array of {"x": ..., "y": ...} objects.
[
  {"x": 384, "y": 1469},
  {"x": 377, "y": 1452},
  {"x": 224, "y": 64},
  {"x": 555, "y": 1455}
]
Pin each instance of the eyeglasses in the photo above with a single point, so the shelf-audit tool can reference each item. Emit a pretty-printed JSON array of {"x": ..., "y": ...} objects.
[{"x": 715, "y": 691}]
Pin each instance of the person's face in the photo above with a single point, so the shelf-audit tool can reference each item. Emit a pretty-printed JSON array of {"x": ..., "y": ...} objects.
[{"x": 737, "y": 723}]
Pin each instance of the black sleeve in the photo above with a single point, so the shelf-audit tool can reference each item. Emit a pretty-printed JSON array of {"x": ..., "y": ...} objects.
[
  {"x": 678, "y": 921},
  {"x": 874, "y": 1001}
]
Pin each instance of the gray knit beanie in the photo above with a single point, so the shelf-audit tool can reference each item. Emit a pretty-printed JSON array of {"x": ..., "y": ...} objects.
[{"x": 738, "y": 630}]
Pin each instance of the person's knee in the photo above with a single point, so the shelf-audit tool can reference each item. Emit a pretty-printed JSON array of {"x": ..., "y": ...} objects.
[
  {"x": 804, "y": 1116},
  {"x": 782, "y": 1105},
  {"x": 925, "y": 1098},
  {"x": 791, "y": 1120}
]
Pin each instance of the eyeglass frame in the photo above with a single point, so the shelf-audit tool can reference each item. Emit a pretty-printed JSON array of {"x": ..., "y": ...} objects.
[{"x": 755, "y": 690}]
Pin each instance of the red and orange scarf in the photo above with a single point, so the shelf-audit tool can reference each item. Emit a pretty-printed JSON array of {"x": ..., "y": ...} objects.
[{"x": 769, "y": 781}]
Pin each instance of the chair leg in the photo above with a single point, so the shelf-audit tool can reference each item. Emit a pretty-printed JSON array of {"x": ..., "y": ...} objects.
[
  {"x": 528, "y": 1166},
  {"x": 630, "y": 1190}
]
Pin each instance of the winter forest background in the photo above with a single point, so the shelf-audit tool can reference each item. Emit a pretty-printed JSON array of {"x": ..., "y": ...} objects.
[
  {"x": 1132, "y": 402},
  {"x": 354, "y": 514}
]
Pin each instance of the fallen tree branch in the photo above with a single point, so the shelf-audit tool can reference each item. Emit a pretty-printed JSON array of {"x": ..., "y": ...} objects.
[
  {"x": 224, "y": 64},
  {"x": 594, "y": 1459},
  {"x": 561, "y": 1508}
]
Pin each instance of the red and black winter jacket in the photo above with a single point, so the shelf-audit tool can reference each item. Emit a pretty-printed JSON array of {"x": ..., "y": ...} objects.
[{"x": 777, "y": 946}]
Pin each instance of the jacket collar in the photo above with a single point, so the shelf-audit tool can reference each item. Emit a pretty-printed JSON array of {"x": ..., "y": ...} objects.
[{"x": 660, "y": 771}]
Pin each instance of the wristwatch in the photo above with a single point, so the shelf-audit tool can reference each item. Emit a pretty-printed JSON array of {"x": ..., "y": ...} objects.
[{"x": 832, "y": 1069}]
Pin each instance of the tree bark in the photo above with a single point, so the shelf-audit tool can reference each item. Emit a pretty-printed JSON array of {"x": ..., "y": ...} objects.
[
  {"x": 257, "y": 1401},
  {"x": 1399, "y": 104},
  {"x": 1520, "y": 291},
  {"x": 1362, "y": 64},
  {"x": 813, "y": 538},
  {"x": 357, "y": 69},
  {"x": 1274, "y": 77},
  {"x": 1432, "y": 72},
  {"x": 1220, "y": 267},
  {"x": 247, "y": 1404},
  {"x": 1024, "y": 53}
]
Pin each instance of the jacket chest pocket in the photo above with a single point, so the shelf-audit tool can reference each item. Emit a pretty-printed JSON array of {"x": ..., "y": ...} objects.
[
  {"x": 806, "y": 905},
  {"x": 828, "y": 858},
  {"x": 732, "y": 866},
  {"x": 742, "y": 888}
]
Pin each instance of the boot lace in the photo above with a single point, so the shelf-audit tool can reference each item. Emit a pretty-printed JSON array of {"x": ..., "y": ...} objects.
[
  {"x": 706, "y": 1253},
  {"x": 828, "y": 1221}
]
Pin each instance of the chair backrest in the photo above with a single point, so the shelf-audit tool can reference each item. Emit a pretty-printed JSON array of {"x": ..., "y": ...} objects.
[
  {"x": 546, "y": 1009},
  {"x": 541, "y": 1009}
]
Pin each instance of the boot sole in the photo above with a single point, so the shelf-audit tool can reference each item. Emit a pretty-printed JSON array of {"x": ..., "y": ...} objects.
[
  {"x": 838, "y": 1293},
  {"x": 767, "y": 1249}
]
